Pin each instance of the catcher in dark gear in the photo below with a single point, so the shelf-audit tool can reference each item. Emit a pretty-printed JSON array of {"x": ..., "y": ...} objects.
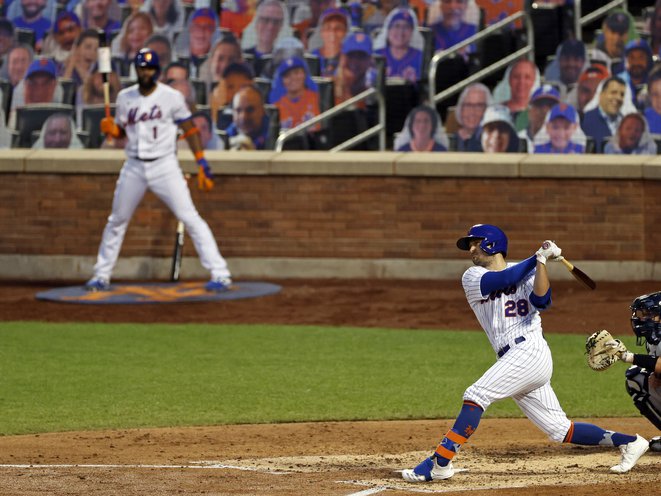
[{"x": 643, "y": 378}]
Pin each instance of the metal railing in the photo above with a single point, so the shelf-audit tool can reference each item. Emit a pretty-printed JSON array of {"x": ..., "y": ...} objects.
[
  {"x": 579, "y": 21},
  {"x": 528, "y": 50},
  {"x": 379, "y": 128}
]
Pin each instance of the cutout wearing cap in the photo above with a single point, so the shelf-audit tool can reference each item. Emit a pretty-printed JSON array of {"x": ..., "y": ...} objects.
[
  {"x": 66, "y": 15},
  {"x": 617, "y": 22},
  {"x": 357, "y": 42},
  {"x": 334, "y": 13},
  {"x": 42, "y": 66},
  {"x": 564, "y": 111},
  {"x": 545, "y": 92},
  {"x": 572, "y": 48},
  {"x": 204, "y": 16}
]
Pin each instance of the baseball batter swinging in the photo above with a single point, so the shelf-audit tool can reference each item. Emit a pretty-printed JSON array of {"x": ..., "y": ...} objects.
[
  {"x": 148, "y": 114},
  {"x": 507, "y": 299}
]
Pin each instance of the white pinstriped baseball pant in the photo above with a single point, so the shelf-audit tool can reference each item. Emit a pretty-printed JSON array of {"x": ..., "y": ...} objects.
[{"x": 524, "y": 374}]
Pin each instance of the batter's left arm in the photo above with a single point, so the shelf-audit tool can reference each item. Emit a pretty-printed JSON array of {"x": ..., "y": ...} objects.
[{"x": 192, "y": 135}]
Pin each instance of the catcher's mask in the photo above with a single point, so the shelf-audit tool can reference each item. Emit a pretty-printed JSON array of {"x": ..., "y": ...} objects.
[
  {"x": 646, "y": 318},
  {"x": 493, "y": 239}
]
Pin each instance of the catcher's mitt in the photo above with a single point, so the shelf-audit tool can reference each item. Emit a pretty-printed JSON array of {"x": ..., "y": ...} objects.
[{"x": 603, "y": 350}]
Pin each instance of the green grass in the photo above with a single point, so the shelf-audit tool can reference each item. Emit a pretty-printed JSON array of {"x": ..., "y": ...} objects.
[{"x": 56, "y": 377}]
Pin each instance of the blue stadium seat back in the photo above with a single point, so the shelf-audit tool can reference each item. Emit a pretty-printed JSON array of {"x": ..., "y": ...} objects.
[
  {"x": 7, "y": 90},
  {"x": 313, "y": 64},
  {"x": 452, "y": 142},
  {"x": 200, "y": 88},
  {"x": 427, "y": 51},
  {"x": 589, "y": 145},
  {"x": 346, "y": 125},
  {"x": 31, "y": 118},
  {"x": 400, "y": 96},
  {"x": 68, "y": 90},
  {"x": 273, "y": 115},
  {"x": 264, "y": 87},
  {"x": 25, "y": 36},
  {"x": 224, "y": 118},
  {"x": 449, "y": 72},
  {"x": 123, "y": 65},
  {"x": 91, "y": 116},
  {"x": 326, "y": 92},
  {"x": 222, "y": 134},
  {"x": 548, "y": 27}
]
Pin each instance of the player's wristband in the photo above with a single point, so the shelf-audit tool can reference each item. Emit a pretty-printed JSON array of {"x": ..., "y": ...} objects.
[{"x": 190, "y": 132}]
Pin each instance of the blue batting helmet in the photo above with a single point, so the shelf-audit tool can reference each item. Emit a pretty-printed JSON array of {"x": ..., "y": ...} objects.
[
  {"x": 646, "y": 318},
  {"x": 147, "y": 57},
  {"x": 493, "y": 239}
]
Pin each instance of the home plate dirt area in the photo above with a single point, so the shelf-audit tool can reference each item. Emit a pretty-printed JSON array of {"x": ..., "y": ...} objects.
[{"x": 504, "y": 457}]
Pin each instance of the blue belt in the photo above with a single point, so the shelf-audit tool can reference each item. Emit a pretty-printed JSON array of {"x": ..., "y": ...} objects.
[{"x": 507, "y": 347}]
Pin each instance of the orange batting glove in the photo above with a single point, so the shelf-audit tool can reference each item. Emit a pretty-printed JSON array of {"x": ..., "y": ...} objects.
[
  {"x": 204, "y": 176},
  {"x": 109, "y": 127}
]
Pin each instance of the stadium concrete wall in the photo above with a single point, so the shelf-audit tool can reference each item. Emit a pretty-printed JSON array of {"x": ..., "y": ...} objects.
[{"x": 345, "y": 215}]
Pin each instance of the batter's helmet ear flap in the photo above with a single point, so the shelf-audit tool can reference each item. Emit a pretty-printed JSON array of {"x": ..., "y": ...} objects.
[{"x": 493, "y": 239}]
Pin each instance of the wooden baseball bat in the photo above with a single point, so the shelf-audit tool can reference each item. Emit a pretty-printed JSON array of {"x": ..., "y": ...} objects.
[
  {"x": 578, "y": 274},
  {"x": 105, "y": 67},
  {"x": 178, "y": 252}
]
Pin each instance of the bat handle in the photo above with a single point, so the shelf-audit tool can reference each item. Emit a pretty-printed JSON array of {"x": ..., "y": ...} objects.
[{"x": 567, "y": 264}]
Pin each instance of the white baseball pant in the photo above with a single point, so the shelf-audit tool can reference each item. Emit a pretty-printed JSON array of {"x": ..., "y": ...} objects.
[{"x": 166, "y": 180}]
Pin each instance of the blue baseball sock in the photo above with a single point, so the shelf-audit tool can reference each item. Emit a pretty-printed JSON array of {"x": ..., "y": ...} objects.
[
  {"x": 592, "y": 435},
  {"x": 464, "y": 426}
]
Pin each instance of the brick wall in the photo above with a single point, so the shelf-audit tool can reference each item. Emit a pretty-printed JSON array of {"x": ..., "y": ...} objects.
[{"x": 343, "y": 216}]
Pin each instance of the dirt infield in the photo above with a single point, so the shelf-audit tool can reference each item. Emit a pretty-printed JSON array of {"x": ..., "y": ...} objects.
[{"x": 504, "y": 457}]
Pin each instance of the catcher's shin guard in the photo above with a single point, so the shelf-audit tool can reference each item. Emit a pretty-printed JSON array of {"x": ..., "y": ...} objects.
[{"x": 637, "y": 386}]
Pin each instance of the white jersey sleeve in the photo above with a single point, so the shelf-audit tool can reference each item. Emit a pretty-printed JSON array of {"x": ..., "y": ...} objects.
[{"x": 151, "y": 121}]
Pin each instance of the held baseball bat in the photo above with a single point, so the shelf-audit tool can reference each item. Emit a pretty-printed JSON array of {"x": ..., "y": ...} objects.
[
  {"x": 178, "y": 252},
  {"x": 105, "y": 67},
  {"x": 578, "y": 274}
]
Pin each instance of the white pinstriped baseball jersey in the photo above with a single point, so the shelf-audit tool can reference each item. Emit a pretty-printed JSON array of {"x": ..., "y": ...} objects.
[{"x": 504, "y": 314}]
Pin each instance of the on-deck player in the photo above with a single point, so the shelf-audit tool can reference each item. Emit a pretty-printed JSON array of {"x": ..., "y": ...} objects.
[
  {"x": 148, "y": 114},
  {"x": 507, "y": 299}
]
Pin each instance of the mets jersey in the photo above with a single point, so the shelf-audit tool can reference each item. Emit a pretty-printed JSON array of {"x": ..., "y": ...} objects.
[
  {"x": 295, "y": 112},
  {"x": 408, "y": 67},
  {"x": 505, "y": 314},
  {"x": 151, "y": 121}
]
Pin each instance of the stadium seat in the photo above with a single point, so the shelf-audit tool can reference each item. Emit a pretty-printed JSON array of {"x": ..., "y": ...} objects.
[
  {"x": 122, "y": 64},
  {"x": 264, "y": 86},
  {"x": 273, "y": 114},
  {"x": 31, "y": 118},
  {"x": 7, "y": 90},
  {"x": 313, "y": 64},
  {"x": 326, "y": 92},
  {"x": 68, "y": 90},
  {"x": 400, "y": 96},
  {"x": 200, "y": 88},
  {"x": 450, "y": 71},
  {"x": 223, "y": 118},
  {"x": 25, "y": 36},
  {"x": 91, "y": 116}
]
